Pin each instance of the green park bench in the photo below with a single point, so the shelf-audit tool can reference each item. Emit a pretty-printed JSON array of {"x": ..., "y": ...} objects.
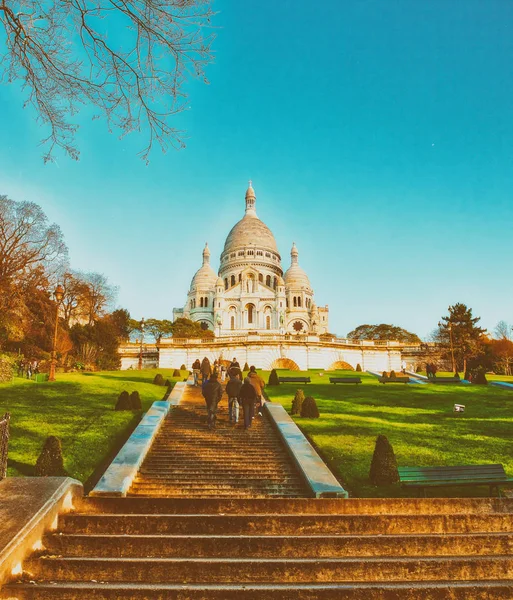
[
  {"x": 423, "y": 477},
  {"x": 294, "y": 379},
  {"x": 393, "y": 379},
  {"x": 444, "y": 380},
  {"x": 345, "y": 380}
]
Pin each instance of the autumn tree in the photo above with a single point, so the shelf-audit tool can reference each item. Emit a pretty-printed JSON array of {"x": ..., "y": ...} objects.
[
  {"x": 185, "y": 328},
  {"x": 383, "y": 332},
  {"x": 98, "y": 295},
  {"x": 158, "y": 328},
  {"x": 460, "y": 333},
  {"x": 130, "y": 61}
]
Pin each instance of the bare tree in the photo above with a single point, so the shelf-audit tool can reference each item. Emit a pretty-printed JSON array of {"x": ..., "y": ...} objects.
[
  {"x": 99, "y": 295},
  {"x": 73, "y": 308},
  {"x": 128, "y": 58},
  {"x": 502, "y": 331}
]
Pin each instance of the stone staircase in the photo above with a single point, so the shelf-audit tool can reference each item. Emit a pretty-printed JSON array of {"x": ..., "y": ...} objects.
[
  {"x": 188, "y": 460},
  {"x": 286, "y": 549}
]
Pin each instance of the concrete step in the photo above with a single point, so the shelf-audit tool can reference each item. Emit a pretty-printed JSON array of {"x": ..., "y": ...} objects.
[
  {"x": 445, "y": 590},
  {"x": 239, "y": 479},
  {"x": 301, "y": 506},
  {"x": 258, "y": 546},
  {"x": 270, "y": 570},
  {"x": 282, "y": 524}
]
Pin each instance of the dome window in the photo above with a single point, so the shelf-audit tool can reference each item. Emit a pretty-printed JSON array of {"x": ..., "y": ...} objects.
[
  {"x": 260, "y": 253},
  {"x": 232, "y": 255},
  {"x": 232, "y": 279},
  {"x": 260, "y": 278},
  {"x": 268, "y": 281},
  {"x": 226, "y": 283},
  {"x": 251, "y": 253},
  {"x": 241, "y": 253},
  {"x": 268, "y": 255}
]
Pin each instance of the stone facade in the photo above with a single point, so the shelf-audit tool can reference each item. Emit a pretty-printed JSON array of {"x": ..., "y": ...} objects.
[{"x": 250, "y": 293}]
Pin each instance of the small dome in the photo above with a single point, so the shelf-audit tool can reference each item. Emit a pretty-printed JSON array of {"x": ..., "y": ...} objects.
[
  {"x": 295, "y": 277},
  {"x": 205, "y": 277},
  {"x": 250, "y": 192},
  {"x": 219, "y": 282},
  {"x": 281, "y": 281}
]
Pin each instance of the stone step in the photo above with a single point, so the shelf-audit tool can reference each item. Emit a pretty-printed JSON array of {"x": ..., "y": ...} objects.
[
  {"x": 282, "y": 524},
  {"x": 238, "y": 479},
  {"x": 277, "y": 546},
  {"x": 270, "y": 570},
  {"x": 300, "y": 506},
  {"x": 444, "y": 590}
]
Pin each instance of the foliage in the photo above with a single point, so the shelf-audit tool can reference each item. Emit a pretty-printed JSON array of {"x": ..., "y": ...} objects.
[
  {"x": 383, "y": 332},
  {"x": 273, "y": 378},
  {"x": 185, "y": 328},
  {"x": 246, "y": 367},
  {"x": 297, "y": 403},
  {"x": 467, "y": 336},
  {"x": 358, "y": 368},
  {"x": 123, "y": 402},
  {"x": 176, "y": 373},
  {"x": 7, "y": 364},
  {"x": 135, "y": 401},
  {"x": 158, "y": 379},
  {"x": 158, "y": 328},
  {"x": 501, "y": 354},
  {"x": 309, "y": 408},
  {"x": 135, "y": 80},
  {"x": 383, "y": 470},
  {"x": 50, "y": 462}
]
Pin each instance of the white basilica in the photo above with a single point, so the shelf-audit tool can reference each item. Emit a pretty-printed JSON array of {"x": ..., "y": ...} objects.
[{"x": 251, "y": 294}]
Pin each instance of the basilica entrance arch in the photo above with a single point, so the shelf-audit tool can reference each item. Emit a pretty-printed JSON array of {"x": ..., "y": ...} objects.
[
  {"x": 340, "y": 365},
  {"x": 285, "y": 363}
]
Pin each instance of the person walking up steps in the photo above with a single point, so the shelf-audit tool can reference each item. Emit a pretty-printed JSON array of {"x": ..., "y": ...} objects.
[
  {"x": 212, "y": 392},
  {"x": 258, "y": 383},
  {"x": 206, "y": 369},
  {"x": 232, "y": 389},
  {"x": 247, "y": 397},
  {"x": 196, "y": 370}
]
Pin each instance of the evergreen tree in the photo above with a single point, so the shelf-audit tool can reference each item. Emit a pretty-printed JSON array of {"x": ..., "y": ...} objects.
[
  {"x": 123, "y": 402},
  {"x": 273, "y": 378},
  {"x": 246, "y": 367},
  {"x": 158, "y": 379},
  {"x": 309, "y": 408},
  {"x": 383, "y": 470},
  {"x": 297, "y": 403},
  {"x": 176, "y": 373},
  {"x": 358, "y": 368},
  {"x": 135, "y": 401},
  {"x": 50, "y": 462}
]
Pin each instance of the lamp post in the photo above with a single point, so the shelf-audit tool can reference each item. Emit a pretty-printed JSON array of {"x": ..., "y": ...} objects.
[
  {"x": 452, "y": 348},
  {"x": 139, "y": 366},
  {"x": 58, "y": 294}
]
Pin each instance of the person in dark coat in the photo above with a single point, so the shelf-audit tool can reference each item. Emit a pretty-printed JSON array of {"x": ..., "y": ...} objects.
[
  {"x": 247, "y": 397},
  {"x": 196, "y": 370},
  {"x": 212, "y": 392},
  {"x": 232, "y": 389},
  {"x": 206, "y": 369}
]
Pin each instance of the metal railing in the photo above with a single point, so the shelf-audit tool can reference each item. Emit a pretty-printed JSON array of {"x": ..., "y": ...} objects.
[{"x": 4, "y": 444}]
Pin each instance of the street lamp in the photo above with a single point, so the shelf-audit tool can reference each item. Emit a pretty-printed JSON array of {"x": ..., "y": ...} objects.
[
  {"x": 449, "y": 327},
  {"x": 141, "y": 346},
  {"x": 58, "y": 294}
]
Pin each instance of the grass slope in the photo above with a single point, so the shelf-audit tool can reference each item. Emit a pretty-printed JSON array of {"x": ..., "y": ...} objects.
[
  {"x": 79, "y": 409},
  {"x": 417, "y": 419}
]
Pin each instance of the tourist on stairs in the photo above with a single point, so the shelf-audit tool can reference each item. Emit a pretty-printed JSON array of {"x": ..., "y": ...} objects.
[
  {"x": 247, "y": 397},
  {"x": 258, "y": 383},
  {"x": 206, "y": 369},
  {"x": 196, "y": 370},
  {"x": 212, "y": 392},
  {"x": 232, "y": 389}
]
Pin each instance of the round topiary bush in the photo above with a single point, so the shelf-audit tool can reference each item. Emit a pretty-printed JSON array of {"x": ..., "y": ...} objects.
[
  {"x": 456, "y": 375},
  {"x": 183, "y": 368},
  {"x": 135, "y": 401},
  {"x": 50, "y": 462},
  {"x": 297, "y": 403},
  {"x": 246, "y": 367},
  {"x": 273, "y": 378},
  {"x": 478, "y": 377},
  {"x": 158, "y": 379},
  {"x": 176, "y": 373},
  {"x": 309, "y": 408},
  {"x": 168, "y": 384},
  {"x": 383, "y": 469},
  {"x": 359, "y": 368},
  {"x": 123, "y": 402}
]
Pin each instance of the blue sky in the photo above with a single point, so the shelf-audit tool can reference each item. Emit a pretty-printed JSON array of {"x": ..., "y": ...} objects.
[{"x": 378, "y": 135}]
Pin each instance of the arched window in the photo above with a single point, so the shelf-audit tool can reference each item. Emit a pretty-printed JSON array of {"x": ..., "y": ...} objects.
[
  {"x": 232, "y": 322},
  {"x": 260, "y": 278},
  {"x": 240, "y": 276},
  {"x": 205, "y": 302},
  {"x": 275, "y": 282},
  {"x": 299, "y": 301},
  {"x": 251, "y": 313},
  {"x": 268, "y": 322},
  {"x": 226, "y": 283},
  {"x": 287, "y": 302},
  {"x": 268, "y": 281},
  {"x": 232, "y": 279},
  {"x": 201, "y": 302},
  {"x": 295, "y": 301}
]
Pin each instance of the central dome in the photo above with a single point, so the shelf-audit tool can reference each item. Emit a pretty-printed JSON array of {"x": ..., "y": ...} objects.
[{"x": 250, "y": 230}]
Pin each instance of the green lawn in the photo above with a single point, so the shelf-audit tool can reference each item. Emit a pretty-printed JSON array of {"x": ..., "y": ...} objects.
[
  {"x": 417, "y": 419},
  {"x": 79, "y": 409}
]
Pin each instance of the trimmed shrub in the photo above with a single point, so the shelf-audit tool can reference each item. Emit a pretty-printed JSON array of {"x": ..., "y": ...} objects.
[
  {"x": 135, "y": 401},
  {"x": 478, "y": 376},
  {"x": 359, "y": 368},
  {"x": 418, "y": 369},
  {"x": 50, "y": 462},
  {"x": 309, "y": 408},
  {"x": 383, "y": 470},
  {"x": 246, "y": 367},
  {"x": 123, "y": 402},
  {"x": 183, "y": 368},
  {"x": 176, "y": 373},
  {"x": 273, "y": 378},
  {"x": 297, "y": 403},
  {"x": 158, "y": 379},
  {"x": 384, "y": 374},
  {"x": 456, "y": 375},
  {"x": 392, "y": 374},
  {"x": 167, "y": 383},
  {"x": 6, "y": 368}
]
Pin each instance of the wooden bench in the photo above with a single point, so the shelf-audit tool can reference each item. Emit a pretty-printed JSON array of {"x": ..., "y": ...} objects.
[
  {"x": 447, "y": 380},
  {"x": 345, "y": 380},
  {"x": 423, "y": 477},
  {"x": 393, "y": 379},
  {"x": 294, "y": 379}
]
